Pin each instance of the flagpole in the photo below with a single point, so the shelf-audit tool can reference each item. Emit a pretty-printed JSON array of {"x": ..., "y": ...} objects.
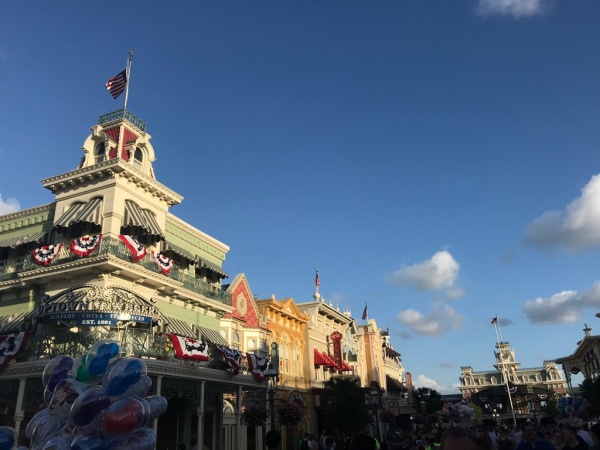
[
  {"x": 128, "y": 72},
  {"x": 496, "y": 323}
]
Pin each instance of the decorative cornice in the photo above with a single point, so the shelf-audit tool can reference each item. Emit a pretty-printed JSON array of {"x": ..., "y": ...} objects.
[
  {"x": 176, "y": 221},
  {"x": 110, "y": 169},
  {"x": 27, "y": 212}
]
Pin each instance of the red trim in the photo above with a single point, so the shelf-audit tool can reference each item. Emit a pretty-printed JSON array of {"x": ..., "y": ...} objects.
[{"x": 323, "y": 359}]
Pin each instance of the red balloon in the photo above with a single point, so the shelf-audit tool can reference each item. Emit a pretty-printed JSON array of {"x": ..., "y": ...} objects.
[{"x": 123, "y": 417}]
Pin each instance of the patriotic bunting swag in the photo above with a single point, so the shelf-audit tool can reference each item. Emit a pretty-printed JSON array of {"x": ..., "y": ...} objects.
[
  {"x": 85, "y": 245},
  {"x": 233, "y": 357},
  {"x": 258, "y": 365},
  {"x": 164, "y": 263},
  {"x": 43, "y": 256},
  {"x": 138, "y": 251},
  {"x": 10, "y": 346},
  {"x": 186, "y": 348}
]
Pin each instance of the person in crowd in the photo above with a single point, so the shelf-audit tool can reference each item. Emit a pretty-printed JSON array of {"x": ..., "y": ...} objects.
[
  {"x": 329, "y": 444},
  {"x": 572, "y": 440},
  {"x": 273, "y": 440},
  {"x": 363, "y": 442},
  {"x": 557, "y": 439},
  {"x": 584, "y": 434},
  {"x": 595, "y": 432},
  {"x": 305, "y": 442},
  {"x": 531, "y": 440},
  {"x": 505, "y": 442},
  {"x": 458, "y": 438}
]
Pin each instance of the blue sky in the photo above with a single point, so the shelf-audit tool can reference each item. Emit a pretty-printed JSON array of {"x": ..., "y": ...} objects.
[{"x": 435, "y": 159}]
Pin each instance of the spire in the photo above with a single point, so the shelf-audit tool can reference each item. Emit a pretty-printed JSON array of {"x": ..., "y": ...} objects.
[
  {"x": 587, "y": 330},
  {"x": 316, "y": 295}
]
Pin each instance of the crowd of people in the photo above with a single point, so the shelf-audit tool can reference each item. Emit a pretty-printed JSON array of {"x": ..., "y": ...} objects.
[{"x": 527, "y": 437}]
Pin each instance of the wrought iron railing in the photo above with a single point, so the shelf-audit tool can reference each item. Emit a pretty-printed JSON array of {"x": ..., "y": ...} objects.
[
  {"x": 110, "y": 246},
  {"x": 122, "y": 114}
]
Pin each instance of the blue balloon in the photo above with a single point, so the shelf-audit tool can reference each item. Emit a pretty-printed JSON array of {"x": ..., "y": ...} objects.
[
  {"x": 142, "y": 439},
  {"x": 122, "y": 377},
  {"x": 8, "y": 438},
  {"x": 98, "y": 365},
  {"x": 58, "y": 443},
  {"x": 88, "y": 406},
  {"x": 114, "y": 349},
  {"x": 96, "y": 442},
  {"x": 158, "y": 406}
]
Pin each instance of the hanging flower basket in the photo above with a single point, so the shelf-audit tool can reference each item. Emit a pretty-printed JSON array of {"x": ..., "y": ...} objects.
[
  {"x": 254, "y": 415},
  {"x": 290, "y": 413}
]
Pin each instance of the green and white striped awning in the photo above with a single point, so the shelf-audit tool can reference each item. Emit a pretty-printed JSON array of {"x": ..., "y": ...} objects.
[
  {"x": 203, "y": 263},
  {"x": 15, "y": 242},
  {"x": 180, "y": 251},
  {"x": 142, "y": 218},
  {"x": 180, "y": 328},
  {"x": 212, "y": 336},
  {"x": 81, "y": 212}
]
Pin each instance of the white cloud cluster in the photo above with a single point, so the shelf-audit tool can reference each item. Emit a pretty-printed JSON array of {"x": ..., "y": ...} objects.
[
  {"x": 435, "y": 274},
  {"x": 515, "y": 8},
  {"x": 9, "y": 206},
  {"x": 436, "y": 323},
  {"x": 563, "y": 307},
  {"x": 574, "y": 228},
  {"x": 423, "y": 381}
]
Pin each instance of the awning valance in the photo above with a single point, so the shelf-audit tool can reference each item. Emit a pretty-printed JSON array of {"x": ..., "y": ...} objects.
[
  {"x": 212, "y": 336},
  {"x": 180, "y": 328},
  {"x": 143, "y": 218},
  {"x": 203, "y": 263},
  {"x": 180, "y": 251},
  {"x": 390, "y": 352},
  {"x": 345, "y": 367},
  {"x": 81, "y": 212},
  {"x": 15, "y": 242}
]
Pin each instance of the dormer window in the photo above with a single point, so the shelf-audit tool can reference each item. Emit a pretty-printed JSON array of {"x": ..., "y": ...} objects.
[
  {"x": 100, "y": 152},
  {"x": 138, "y": 157}
]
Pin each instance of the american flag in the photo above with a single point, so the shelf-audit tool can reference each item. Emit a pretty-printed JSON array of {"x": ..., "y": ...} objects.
[
  {"x": 317, "y": 281},
  {"x": 365, "y": 313},
  {"x": 116, "y": 85}
]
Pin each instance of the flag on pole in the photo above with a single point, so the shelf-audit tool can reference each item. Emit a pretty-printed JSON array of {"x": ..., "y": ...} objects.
[
  {"x": 495, "y": 320},
  {"x": 317, "y": 281},
  {"x": 365, "y": 313},
  {"x": 117, "y": 84}
]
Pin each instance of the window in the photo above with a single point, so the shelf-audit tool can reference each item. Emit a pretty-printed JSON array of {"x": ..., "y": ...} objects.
[
  {"x": 138, "y": 158},
  {"x": 100, "y": 153}
]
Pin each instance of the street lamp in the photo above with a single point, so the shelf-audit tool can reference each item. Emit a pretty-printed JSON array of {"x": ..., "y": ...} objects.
[
  {"x": 272, "y": 373},
  {"x": 496, "y": 416}
]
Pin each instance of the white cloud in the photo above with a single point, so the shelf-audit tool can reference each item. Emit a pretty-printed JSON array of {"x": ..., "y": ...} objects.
[
  {"x": 515, "y": 8},
  {"x": 563, "y": 307},
  {"x": 433, "y": 324},
  {"x": 9, "y": 206},
  {"x": 423, "y": 381},
  {"x": 574, "y": 228},
  {"x": 435, "y": 274}
]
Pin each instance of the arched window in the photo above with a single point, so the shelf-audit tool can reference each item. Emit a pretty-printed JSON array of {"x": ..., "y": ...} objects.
[
  {"x": 100, "y": 153},
  {"x": 138, "y": 157}
]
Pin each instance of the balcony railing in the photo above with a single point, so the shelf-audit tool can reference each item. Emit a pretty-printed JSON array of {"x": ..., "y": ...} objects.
[
  {"x": 110, "y": 246},
  {"x": 122, "y": 114}
]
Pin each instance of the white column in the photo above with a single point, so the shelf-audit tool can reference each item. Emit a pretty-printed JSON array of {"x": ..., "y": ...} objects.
[
  {"x": 158, "y": 392},
  {"x": 200, "y": 412},
  {"x": 238, "y": 418},
  {"x": 19, "y": 413}
]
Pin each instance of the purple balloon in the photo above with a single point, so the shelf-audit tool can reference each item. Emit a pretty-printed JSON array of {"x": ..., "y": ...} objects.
[{"x": 57, "y": 370}]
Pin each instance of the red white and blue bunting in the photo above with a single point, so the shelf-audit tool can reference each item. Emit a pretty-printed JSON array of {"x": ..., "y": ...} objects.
[
  {"x": 43, "y": 256},
  {"x": 137, "y": 250},
  {"x": 186, "y": 348},
  {"x": 233, "y": 357},
  {"x": 85, "y": 245},
  {"x": 164, "y": 263},
  {"x": 258, "y": 365},
  {"x": 10, "y": 345}
]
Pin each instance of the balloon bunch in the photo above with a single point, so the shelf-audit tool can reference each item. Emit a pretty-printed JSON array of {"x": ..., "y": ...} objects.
[
  {"x": 99, "y": 406},
  {"x": 457, "y": 412},
  {"x": 572, "y": 406}
]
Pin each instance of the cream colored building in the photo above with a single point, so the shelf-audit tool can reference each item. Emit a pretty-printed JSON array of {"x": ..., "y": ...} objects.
[
  {"x": 585, "y": 359},
  {"x": 67, "y": 275}
]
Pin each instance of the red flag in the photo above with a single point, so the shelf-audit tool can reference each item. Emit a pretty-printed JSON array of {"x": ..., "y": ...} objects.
[{"x": 116, "y": 85}]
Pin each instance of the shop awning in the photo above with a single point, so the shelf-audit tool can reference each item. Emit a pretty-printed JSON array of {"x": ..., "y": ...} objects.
[
  {"x": 202, "y": 263},
  {"x": 180, "y": 251},
  {"x": 323, "y": 359},
  {"x": 90, "y": 212},
  {"x": 345, "y": 367},
  {"x": 143, "y": 218},
  {"x": 180, "y": 328},
  {"x": 212, "y": 336},
  {"x": 15, "y": 242},
  {"x": 15, "y": 322},
  {"x": 394, "y": 384}
]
